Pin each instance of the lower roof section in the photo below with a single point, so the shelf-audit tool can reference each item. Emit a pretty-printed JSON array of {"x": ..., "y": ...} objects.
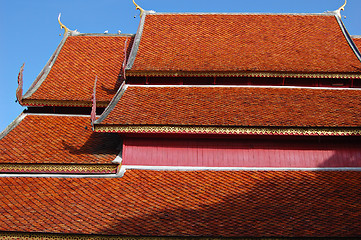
[
  {"x": 187, "y": 203},
  {"x": 45, "y": 140}
]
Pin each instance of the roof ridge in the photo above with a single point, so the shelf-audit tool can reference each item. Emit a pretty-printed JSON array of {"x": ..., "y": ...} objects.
[
  {"x": 240, "y": 13},
  {"x": 106, "y": 34}
]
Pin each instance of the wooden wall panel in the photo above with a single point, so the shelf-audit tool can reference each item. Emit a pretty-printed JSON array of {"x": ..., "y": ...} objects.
[{"x": 240, "y": 153}]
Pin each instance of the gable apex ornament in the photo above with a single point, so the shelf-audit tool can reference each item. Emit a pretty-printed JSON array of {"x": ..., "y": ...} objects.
[
  {"x": 137, "y": 7},
  {"x": 67, "y": 31},
  {"x": 342, "y": 8}
]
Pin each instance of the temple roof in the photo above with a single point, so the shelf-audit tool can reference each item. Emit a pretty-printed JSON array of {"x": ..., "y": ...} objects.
[
  {"x": 195, "y": 203},
  {"x": 56, "y": 139},
  {"x": 234, "y": 106},
  {"x": 234, "y": 43},
  {"x": 68, "y": 78}
]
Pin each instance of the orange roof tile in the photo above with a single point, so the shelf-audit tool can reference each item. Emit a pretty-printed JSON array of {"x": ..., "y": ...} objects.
[
  {"x": 40, "y": 139},
  {"x": 236, "y": 106},
  {"x": 296, "y": 43},
  {"x": 196, "y": 203},
  {"x": 80, "y": 60}
]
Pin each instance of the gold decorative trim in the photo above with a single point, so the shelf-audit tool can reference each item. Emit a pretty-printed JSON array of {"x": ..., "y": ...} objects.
[
  {"x": 343, "y": 6},
  {"x": 57, "y": 168},
  {"x": 137, "y": 7},
  {"x": 44, "y": 236},
  {"x": 130, "y": 73},
  {"x": 60, "y": 103},
  {"x": 62, "y": 26},
  {"x": 231, "y": 130}
]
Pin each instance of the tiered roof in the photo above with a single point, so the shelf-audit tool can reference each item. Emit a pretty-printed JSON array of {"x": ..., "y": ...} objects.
[{"x": 55, "y": 170}]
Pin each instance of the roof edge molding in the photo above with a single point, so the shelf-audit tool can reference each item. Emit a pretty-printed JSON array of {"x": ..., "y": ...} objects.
[
  {"x": 348, "y": 37},
  {"x": 136, "y": 43},
  {"x": 12, "y": 125},
  {"x": 112, "y": 103},
  {"x": 231, "y": 130}
]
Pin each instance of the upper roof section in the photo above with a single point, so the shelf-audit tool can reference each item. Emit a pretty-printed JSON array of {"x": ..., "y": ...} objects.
[
  {"x": 68, "y": 78},
  {"x": 55, "y": 139},
  {"x": 223, "y": 106},
  {"x": 236, "y": 44}
]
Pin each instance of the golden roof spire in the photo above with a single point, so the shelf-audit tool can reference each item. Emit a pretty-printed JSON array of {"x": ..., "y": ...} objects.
[
  {"x": 342, "y": 8},
  {"x": 137, "y": 7},
  {"x": 66, "y": 30}
]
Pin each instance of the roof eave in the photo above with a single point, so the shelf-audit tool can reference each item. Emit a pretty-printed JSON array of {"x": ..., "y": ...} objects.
[
  {"x": 62, "y": 103},
  {"x": 133, "y": 73},
  {"x": 230, "y": 130}
]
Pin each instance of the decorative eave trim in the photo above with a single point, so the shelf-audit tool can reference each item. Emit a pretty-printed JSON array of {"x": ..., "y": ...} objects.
[
  {"x": 348, "y": 37},
  {"x": 59, "y": 168},
  {"x": 12, "y": 125},
  {"x": 280, "y": 131},
  {"x": 45, "y": 72},
  {"x": 53, "y": 236},
  {"x": 62, "y": 103},
  {"x": 130, "y": 73}
]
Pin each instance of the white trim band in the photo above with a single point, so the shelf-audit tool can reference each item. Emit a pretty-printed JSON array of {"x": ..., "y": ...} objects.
[{"x": 184, "y": 168}]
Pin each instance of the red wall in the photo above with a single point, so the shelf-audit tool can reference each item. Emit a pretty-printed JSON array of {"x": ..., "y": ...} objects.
[{"x": 240, "y": 153}]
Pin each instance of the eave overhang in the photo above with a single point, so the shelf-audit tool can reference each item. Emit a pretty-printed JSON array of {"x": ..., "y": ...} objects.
[
  {"x": 62, "y": 103},
  {"x": 59, "y": 168},
  {"x": 230, "y": 130},
  {"x": 131, "y": 73}
]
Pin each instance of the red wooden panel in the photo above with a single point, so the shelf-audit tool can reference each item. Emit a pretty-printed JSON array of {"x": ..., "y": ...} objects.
[{"x": 240, "y": 153}]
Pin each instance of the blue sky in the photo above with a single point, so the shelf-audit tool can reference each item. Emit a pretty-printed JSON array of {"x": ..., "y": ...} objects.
[{"x": 30, "y": 31}]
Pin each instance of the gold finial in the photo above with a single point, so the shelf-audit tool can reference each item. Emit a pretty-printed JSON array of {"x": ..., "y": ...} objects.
[
  {"x": 137, "y": 7},
  {"x": 343, "y": 6},
  {"x": 62, "y": 25}
]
